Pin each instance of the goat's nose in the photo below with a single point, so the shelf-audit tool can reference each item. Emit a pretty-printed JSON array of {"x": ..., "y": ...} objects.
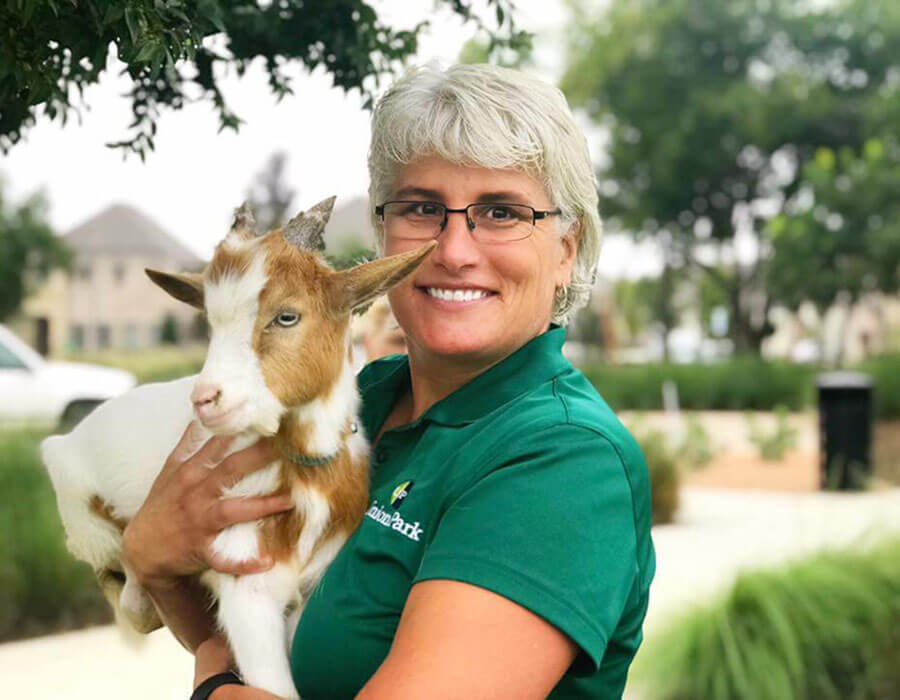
[{"x": 205, "y": 394}]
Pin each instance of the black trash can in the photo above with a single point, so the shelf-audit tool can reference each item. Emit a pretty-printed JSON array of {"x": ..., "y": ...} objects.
[{"x": 845, "y": 429}]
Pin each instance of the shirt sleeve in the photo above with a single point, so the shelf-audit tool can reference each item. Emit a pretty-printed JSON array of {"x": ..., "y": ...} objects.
[{"x": 550, "y": 527}]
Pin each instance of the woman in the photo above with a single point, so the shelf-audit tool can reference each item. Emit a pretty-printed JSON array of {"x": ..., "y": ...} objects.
[{"x": 506, "y": 551}]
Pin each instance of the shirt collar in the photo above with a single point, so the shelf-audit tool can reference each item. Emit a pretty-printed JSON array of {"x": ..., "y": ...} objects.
[{"x": 536, "y": 362}]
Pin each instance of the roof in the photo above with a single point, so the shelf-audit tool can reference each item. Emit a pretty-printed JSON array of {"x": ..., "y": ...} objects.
[{"x": 123, "y": 230}]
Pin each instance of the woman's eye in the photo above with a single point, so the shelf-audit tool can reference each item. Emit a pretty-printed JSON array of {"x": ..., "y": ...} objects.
[
  {"x": 287, "y": 318},
  {"x": 425, "y": 209},
  {"x": 500, "y": 213}
]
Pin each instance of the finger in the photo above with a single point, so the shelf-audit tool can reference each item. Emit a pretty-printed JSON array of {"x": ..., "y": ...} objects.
[
  {"x": 189, "y": 442},
  {"x": 230, "y": 511},
  {"x": 212, "y": 452},
  {"x": 225, "y": 565},
  {"x": 238, "y": 465}
]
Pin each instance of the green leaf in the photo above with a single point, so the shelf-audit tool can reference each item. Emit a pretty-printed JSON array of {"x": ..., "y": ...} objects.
[
  {"x": 146, "y": 53},
  {"x": 131, "y": 22},
  {"x": 30, "y": 6},
  {"x": 114, "y": 12}
]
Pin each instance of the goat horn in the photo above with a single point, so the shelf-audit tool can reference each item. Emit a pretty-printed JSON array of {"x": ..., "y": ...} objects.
[
  {"x": 243, "y": 219},
  {"x": 305, "y": 230}
]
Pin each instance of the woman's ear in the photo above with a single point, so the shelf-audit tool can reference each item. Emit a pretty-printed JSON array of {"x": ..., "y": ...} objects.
[{"x": 569, "y": 242}]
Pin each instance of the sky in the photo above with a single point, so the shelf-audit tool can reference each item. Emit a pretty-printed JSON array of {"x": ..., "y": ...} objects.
[{"x": 196, "y": 176}]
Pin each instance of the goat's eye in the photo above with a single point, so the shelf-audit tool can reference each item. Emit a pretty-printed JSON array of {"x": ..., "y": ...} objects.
[{"x": 286, "y": 319}]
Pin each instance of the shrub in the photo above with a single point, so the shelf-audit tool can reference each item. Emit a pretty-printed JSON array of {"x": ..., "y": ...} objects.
[
  {"x": 696, "y": 449},
  {"x": 168, "y": 330},
  {"x": 885, "y": 371},
  {"x": 664, "y": 475},
  {"x": 773, "y": 445},
  {"x": 43, "y": 588},
  {"x": 739, "y": 383},
  {"x": 819, "y": 629},
  {"x": 742, "y": 383}
]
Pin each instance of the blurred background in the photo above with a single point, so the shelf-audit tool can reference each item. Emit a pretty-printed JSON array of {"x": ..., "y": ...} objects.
[{"x": 745, "y": 324}]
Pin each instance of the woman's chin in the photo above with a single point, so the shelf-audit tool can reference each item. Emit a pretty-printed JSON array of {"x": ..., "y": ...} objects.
[{"x": 460, "y": 339}]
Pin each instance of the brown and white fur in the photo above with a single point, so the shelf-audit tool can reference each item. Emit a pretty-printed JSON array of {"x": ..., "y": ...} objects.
[{"x": 264, "y": 376}]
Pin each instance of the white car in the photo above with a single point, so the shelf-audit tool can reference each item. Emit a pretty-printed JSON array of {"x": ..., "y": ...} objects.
[{"x": 37, "y": 391}]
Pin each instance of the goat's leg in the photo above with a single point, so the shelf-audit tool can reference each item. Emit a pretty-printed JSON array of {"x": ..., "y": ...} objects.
[
  {"x": 133, "y": 608},
  {"x": 251, "y": 612},
  {"x": 137, "y": 607}
]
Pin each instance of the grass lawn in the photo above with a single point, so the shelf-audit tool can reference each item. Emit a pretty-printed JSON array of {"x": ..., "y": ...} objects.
[
  {"x": 43, "y": 588},
  {"x": 153, "y": 364}
]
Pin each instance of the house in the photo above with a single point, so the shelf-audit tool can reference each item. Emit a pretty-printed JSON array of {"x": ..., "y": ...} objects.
[{"x": 106, "y": 300}]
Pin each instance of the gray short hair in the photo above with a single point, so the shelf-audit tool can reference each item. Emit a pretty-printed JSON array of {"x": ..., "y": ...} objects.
[{"x": 492, "y": 117}]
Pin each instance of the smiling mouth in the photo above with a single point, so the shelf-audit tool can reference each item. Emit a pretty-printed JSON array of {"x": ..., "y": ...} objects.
[{"x": 457, "y": 295}]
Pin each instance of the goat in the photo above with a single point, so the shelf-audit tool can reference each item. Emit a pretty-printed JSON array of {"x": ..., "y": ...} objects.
[{"x": 278, "y": 364}]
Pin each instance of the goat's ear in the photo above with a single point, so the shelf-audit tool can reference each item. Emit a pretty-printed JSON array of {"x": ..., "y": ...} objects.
[
  {"x": 186, "y": 287},
  {"x": 354, "y": 289}
]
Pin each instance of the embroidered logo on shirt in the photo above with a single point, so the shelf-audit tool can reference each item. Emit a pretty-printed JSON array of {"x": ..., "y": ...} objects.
[
  {"x": 400, "y": 493},
  {"x": 394, "y": 521}
]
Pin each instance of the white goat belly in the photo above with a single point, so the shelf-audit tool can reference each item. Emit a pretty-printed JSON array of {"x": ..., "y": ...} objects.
[{"x": 115, "y": 453}]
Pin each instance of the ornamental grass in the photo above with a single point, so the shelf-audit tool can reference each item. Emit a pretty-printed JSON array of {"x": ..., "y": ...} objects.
[{"x": 827, "y": 627}]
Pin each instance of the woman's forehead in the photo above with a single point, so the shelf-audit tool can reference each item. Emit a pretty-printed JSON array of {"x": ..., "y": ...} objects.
[{"x": 431, "y": 177}]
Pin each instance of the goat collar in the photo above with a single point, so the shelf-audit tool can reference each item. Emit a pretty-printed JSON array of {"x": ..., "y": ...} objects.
[{"x": 306, "y": 460}]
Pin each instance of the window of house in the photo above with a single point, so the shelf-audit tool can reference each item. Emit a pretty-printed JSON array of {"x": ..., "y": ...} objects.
[
  {"x": 131, "y": 335},
  {"x": 119, "y": 272},
  {"x": 84, "y": 272},
  {"x": 76, "y": 337},
  {"x": 103, "y": 336}
]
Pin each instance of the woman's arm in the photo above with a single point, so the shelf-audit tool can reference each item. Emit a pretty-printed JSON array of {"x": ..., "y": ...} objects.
[
  {"x": 454, "y": 640},
  {"x": 169, "y": 540},
  {"x": 214, "y": 656},
  {"x": 458, "y": 640}
]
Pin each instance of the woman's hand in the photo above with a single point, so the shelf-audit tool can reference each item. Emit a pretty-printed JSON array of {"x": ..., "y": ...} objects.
[
  {"x": 214, "y": 656},
  {"x": 171, "y": 535}
]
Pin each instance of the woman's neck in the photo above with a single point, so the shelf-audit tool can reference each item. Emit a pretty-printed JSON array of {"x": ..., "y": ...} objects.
[
  {"x": 432, "y": 381},
  {"x": 433, "y": 378}
]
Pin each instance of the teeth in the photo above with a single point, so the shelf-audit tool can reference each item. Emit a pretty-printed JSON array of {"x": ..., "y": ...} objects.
[{"x": 456, "y": 294}]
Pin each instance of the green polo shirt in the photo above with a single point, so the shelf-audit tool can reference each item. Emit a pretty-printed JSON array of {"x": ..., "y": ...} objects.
[{"x": 523, "y": 482}]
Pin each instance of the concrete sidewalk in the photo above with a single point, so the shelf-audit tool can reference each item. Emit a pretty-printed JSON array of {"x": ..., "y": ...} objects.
[{"x": 718, "y": 534}]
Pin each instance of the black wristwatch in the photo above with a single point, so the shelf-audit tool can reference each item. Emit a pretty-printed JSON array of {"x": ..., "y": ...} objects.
[{"x": 206, "y": 688}]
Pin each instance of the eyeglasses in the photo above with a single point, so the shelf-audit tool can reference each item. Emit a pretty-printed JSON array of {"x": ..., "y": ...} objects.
[{"x": 489, "y": 222}]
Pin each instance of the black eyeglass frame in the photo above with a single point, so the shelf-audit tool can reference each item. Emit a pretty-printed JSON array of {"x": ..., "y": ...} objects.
[{"x": 536, "y": 214}]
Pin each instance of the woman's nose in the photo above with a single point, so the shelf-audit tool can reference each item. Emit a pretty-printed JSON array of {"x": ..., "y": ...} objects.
[{"x": 456, "y": 247}]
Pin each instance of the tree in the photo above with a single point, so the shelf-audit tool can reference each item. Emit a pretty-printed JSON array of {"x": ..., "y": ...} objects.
[
  {"x": 351, "y": 254},
  {"x": 839, "y": 236},
  {"x": 650, "y": 301},
  {"x": 841, "y": 232},
  {"x": 477, "y": 50},
  {"x": 714, "y": 108},
  {"x": 270, "y": 196},
  {"x": 28, "y": 250},
  {"x": 173, "y": 49}
]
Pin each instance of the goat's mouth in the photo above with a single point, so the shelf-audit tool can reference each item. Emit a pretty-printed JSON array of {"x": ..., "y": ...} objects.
[{"x": 223, "y": 418}]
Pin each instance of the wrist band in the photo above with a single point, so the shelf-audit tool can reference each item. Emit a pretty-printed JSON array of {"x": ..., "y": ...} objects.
[{"x": 206, "y": 688}]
